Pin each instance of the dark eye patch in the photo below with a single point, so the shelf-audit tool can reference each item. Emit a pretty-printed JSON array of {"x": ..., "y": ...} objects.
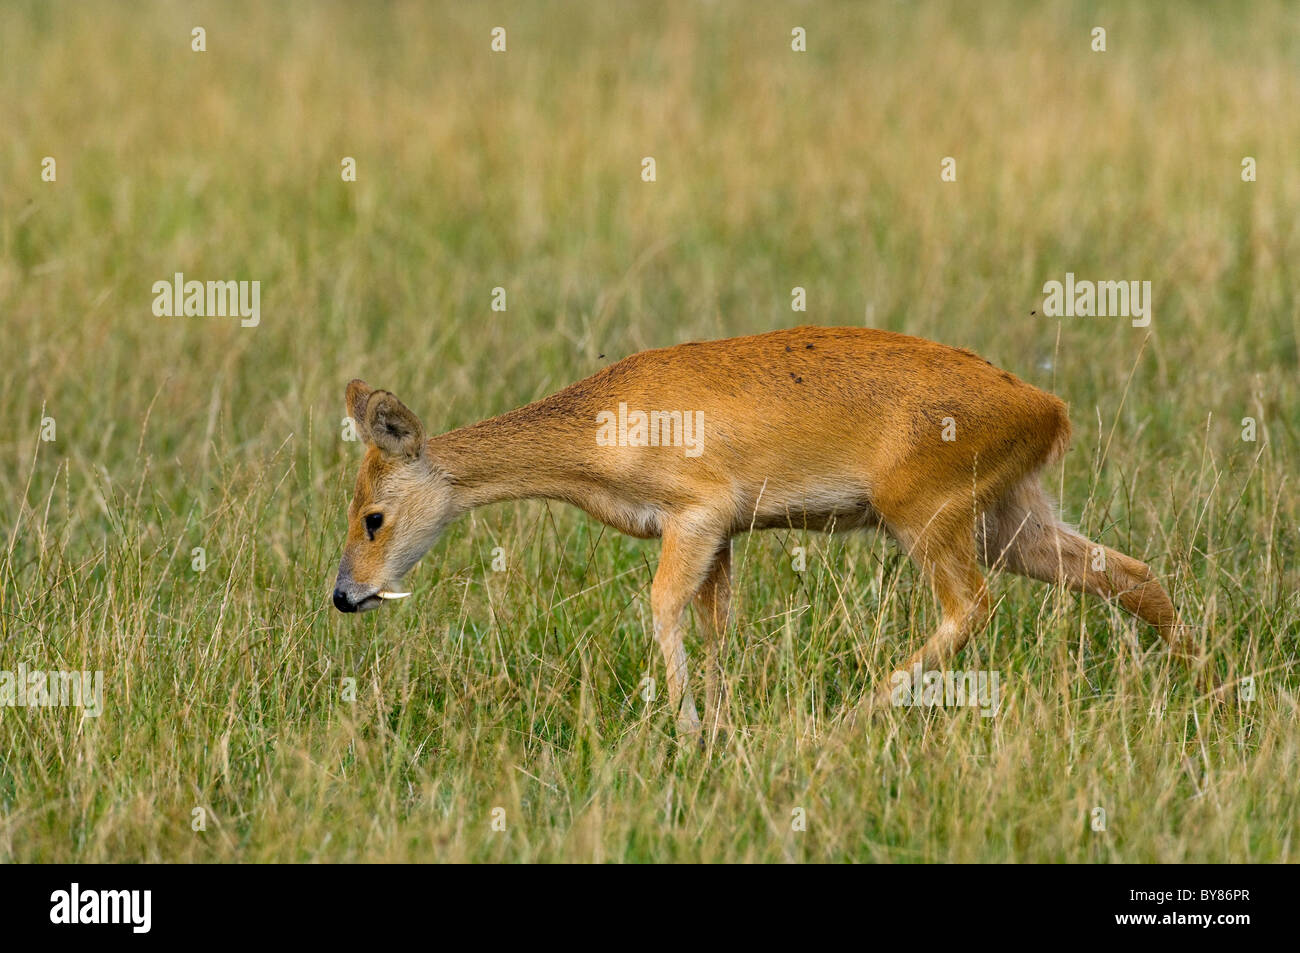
[{"x": 373, "y": 522}]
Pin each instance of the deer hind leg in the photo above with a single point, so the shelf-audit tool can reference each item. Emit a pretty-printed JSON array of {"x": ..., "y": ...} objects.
[
  {"x": 946, "y": 554},
  {"x": 713, "y": 615},
  {"x": 1023, "y": 534},
  {"x": 687, "y": 558}
]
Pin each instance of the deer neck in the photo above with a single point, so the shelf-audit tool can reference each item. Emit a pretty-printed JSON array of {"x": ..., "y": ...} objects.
[{"x": 529, "y": 453}]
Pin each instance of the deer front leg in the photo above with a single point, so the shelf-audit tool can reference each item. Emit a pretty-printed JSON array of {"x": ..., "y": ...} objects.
[
  {"x": 713, "y": 614},
  {"x": 688, "y": 555}
]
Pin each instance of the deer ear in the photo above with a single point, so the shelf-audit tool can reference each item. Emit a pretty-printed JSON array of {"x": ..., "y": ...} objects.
[
  {"x": 392, "y": 427},
  {"x": 358, "y": 394}
]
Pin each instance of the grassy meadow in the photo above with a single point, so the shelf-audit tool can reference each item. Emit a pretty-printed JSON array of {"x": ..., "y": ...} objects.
[{"x": 514, "y": 695}]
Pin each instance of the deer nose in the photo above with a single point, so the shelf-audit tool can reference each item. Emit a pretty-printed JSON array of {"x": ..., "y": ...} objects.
[{"x": 342, "y": 602}]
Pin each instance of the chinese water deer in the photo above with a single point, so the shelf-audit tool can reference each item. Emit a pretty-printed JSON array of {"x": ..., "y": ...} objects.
[{"x": 803, "y": 428}]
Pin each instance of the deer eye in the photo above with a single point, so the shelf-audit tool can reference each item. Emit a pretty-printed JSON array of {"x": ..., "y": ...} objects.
[{"x": 373, "y": 522}]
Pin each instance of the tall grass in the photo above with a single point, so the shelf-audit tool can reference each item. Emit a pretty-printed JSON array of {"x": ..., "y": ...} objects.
[{"x": 520, "y": 690}]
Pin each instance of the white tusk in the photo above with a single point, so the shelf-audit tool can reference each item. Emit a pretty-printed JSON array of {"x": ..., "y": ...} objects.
[{"x": 392, "y": 595}]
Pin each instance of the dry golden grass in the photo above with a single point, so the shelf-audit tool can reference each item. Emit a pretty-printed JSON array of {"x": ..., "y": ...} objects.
[{"x": 519, "y": 690}]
